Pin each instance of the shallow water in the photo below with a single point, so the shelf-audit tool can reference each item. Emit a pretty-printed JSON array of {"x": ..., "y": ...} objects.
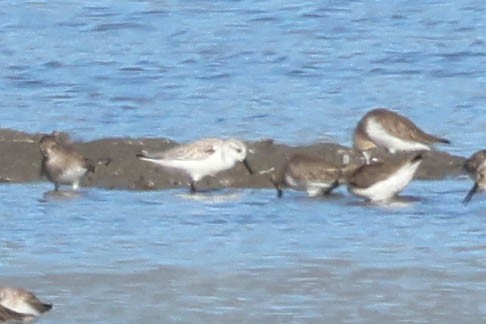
[
  {"x": 247, "y": 256},
  {"x": 300, "y": 73}
]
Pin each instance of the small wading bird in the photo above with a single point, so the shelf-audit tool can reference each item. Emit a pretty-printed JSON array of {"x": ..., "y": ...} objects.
[
  {"x": 201, "y": 158},
  {"x": 20, "y": 306},
  {"x": 381, "y": 181},
  {"x": 61, "y": 163},
  {"x": 313, "y": 174},
  {"x": 391, "y": 131},
  {"x": 9, "y": 316},
  {"x": 475, "y": 166}
]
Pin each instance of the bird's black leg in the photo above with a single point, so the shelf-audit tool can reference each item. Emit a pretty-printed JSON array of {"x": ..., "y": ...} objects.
[
  {"x": 276, "y": 184},
  {"x": 331, "y": 188},
  {"x": 193, "y": 187}
]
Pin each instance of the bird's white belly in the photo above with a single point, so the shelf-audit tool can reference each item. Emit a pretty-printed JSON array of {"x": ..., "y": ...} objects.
[
  {"x": 380, "y": 136},
  {"x": 197, "y": 169},
  {"x": 72, "y": 174},
  {"x": 20, "y": 306},
  {"x": 386, "y": 189},
  {"x": 313, "y": 188}
]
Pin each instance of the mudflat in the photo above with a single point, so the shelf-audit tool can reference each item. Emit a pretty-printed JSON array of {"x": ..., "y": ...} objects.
[{"x": 20, "y": 161}]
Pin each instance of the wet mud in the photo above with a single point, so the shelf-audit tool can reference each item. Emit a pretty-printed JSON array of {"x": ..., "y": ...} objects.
[{"x": 21, "y": 162}]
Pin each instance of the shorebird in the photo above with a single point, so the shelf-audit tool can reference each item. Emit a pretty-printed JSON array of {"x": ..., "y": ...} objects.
[
  {"x": 61, "y": 163},
  {"x": 385, "y": 128},
  {"x": 381, "y": 181},
  {"x": 313, "y": 174},
  {"x": 201, "y": 158},
  {"x": 20, "y": 306},
  {"x": 475, "y": 166},
  {"x": 9, "y": 316}
]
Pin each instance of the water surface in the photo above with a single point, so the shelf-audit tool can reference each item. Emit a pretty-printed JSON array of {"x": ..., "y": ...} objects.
[{"x": 299, "y": 72}]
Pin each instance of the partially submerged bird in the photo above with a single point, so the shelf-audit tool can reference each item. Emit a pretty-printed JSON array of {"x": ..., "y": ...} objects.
[
  {"x": 381, "y": 181},
  {"x": 201, "y": 158},
  {"x": 18, "y": 305},
  {"x": 61, "y": 163},
  {"x": 313, "y": 174},
  {"x": 475, "y": 166},
  {"x": 387, "y": 129}
]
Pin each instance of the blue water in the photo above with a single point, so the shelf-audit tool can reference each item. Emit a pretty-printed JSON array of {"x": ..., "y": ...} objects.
[{"x": 299, "y": 72}]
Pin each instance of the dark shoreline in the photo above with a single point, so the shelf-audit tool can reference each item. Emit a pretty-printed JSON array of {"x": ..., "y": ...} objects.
[{"x": 21, "y": 162}]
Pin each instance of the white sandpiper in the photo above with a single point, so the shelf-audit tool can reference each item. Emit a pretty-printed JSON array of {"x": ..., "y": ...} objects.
[
  {"x": 381, "y": 181},
  {"x": 201, "y": 158},
  {"x": 384, "y": 128},
  {"x": 18, "y": 305}
]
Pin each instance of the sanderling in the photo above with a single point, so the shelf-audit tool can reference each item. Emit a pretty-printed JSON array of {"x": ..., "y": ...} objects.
[
  {"x": 20, "y": 305},
  {"x": 381, "y": 181},
  {"x": 313, "y": 174},
  {"x": 201, "y": 158},
  {"x": 385, "y": 128},
  {"x": 61, "y": 163},
  {"x": 475, "y": 166}
]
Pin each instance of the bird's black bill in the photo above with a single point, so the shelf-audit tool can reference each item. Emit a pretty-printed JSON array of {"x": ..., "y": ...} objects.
[
  {"x": 46, "y": 307},
  {"x": 471, "y": 193},
  {"x": 247, "y": 166}
]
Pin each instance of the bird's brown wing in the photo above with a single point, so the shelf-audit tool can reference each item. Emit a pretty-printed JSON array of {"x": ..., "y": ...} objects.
[
  {"x": 404, "y": 128},
  {"x": 197, "y": 150},
  {"x": 367, "y": 175}
]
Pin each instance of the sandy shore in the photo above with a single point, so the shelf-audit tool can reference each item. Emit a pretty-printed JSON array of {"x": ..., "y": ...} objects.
[{"x": 21, "y": 162}]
